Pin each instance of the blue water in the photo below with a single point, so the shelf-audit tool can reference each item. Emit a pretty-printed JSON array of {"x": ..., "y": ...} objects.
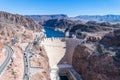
[{"x": 52, "y": 33}]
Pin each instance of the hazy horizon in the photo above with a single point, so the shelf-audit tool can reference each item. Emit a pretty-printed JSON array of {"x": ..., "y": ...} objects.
[{"x": 71, "y": 8}]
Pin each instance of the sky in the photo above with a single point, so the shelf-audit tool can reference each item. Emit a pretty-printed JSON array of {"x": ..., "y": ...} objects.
[{"x": 70, "y": 7}]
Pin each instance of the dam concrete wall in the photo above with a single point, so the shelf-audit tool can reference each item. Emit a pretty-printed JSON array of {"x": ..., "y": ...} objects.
[
  {"x": 60, "y": 53},
  {"x": 60, "y": 50},
  {"x": 55, "y": 49},
  {"x": 70, "y": 46}
]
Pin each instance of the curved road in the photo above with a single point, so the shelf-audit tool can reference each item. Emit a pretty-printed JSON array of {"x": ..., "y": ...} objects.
[{"x": 7, "y": 60}]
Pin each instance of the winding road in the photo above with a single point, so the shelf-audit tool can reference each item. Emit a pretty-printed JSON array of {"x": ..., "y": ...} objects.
[
  {"x": 26, "y": 62},
  {"x": 7, "y": 60},
  {"x": 26, "y": 53}
]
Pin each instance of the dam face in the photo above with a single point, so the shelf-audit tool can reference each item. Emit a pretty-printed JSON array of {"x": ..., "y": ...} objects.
[
  {"x": 55, "y": 49},
  {"x": 60, "y": 52}
]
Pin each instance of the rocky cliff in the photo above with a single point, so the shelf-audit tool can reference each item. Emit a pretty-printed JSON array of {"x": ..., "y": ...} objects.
[
  {"x": 17, "y": 27},
  {"x": 41, "y": 18},
  {"x": 59, "y": 23},
  {"x": 95, "y": 67},
  {"x": 91, "y": 27},
  {"x": 112, "y": 39},
  {"x": 99, "y": 61},
  {"x": 71, "y": 27},
  {"x": 19, "y": 20},
  {"x": 40, "y": 60},
  {"x": 17, "y": 31}
]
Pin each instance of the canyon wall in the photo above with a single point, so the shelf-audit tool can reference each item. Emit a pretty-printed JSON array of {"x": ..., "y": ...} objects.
[
  {"x": 99, "y": 61},
  {"x": 17, "y": 31}
]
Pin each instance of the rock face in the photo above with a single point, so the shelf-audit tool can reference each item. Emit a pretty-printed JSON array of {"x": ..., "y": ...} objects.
[
  {"x": 18, "y": 19},
  {"x": 86, "y": 28},
  {"x": 71, "y": 27},
  {"x": 112, "y": 39},
  {"x": 40, "y": 60},
  {"x": 90, "y": 27},
  {"x": 94, "y": 64},
  {"x": 112, "y": 42},
  {"x": 101, "y": 60},
  {"x": 17, "y": 31},
  {"x": 59, "y": 23},
  {"x": 17, "y": 27}
]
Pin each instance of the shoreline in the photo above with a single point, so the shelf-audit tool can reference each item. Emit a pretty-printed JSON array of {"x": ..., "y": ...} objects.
[{"x": 54, "y": 32}]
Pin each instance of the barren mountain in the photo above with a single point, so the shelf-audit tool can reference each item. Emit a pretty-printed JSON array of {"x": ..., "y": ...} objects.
[
  {"x": 41, "y": 18},
  {"x": 76, "y": 27},
  {"x": 100, "y": 18},
  {"x": 99, "y": 61},
  {"x": 17, "y": 31}
]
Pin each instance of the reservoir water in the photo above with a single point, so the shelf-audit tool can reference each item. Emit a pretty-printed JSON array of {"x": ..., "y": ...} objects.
[{"x": 52, "y": 33}]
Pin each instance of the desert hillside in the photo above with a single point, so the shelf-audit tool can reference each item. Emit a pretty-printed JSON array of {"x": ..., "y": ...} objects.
[
  {"x": 17, "y": 32},
  {"x": 99, "y": 61}
]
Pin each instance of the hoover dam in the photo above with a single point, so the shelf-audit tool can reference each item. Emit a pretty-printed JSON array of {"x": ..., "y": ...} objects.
[
  {"x": 84, "y": 51},
  {"x": 60, "y": 53}
]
